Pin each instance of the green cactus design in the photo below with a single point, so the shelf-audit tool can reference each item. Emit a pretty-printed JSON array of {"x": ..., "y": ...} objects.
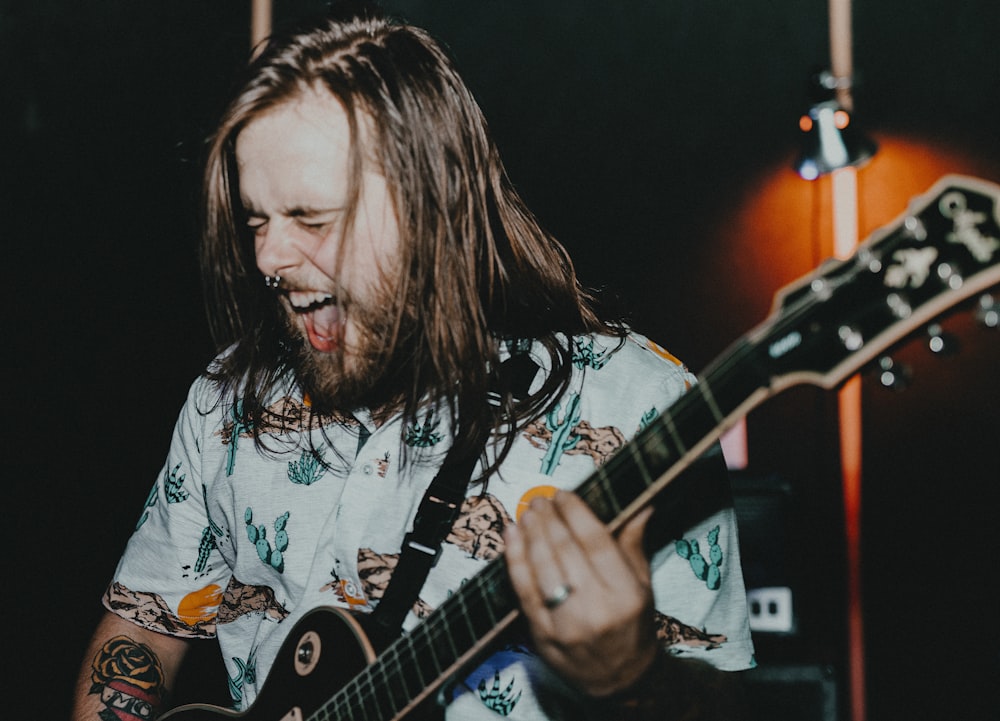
[
  {"x": 208, "y": 536},
  {"x": 274, "y": 557},
  {"x": 563, "y": 438},
  {"x": 246, "y": 673},
  {"x": 234, "y": 437},
  {"x": 205, "y": 548},
  {"x": 584, "y": 355},
  {"x": 425, "y": 435},
  {"x": 307, "y": 470},
  {"x": 647, "y": 418},
  {"x": 705, "y": 570},
  {"x": 173, "y": 486},
  {"x": 150, "y": 502},
  {"x": 501, "y": 701}
]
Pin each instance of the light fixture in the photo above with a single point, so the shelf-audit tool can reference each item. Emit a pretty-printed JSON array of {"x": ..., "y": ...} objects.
[{"x": 830, "y": 138}]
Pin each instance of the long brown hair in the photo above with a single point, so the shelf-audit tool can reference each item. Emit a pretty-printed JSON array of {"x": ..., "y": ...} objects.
[{"x": 477, "y": 266}]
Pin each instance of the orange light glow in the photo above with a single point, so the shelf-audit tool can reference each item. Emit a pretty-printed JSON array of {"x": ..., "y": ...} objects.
[
  {"x": 841, "y": 119},
  {"x": 805, "y": 123},
  {"x": 787, "y": 228}
]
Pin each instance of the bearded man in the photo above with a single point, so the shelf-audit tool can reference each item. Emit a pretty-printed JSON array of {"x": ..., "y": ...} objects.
[{"x": 387, "y": 310}]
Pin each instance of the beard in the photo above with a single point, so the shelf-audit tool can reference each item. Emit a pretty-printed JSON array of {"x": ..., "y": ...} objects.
[{"x": 373, "y": 373}]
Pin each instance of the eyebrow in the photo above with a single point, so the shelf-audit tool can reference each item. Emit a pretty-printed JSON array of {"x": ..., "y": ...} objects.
[
  {"x": 298, "y": 211},
  {"x": 305, "y": 211}
]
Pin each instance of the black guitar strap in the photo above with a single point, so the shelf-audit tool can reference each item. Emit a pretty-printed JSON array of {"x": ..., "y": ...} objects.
[{"x": 437, "y": 513}]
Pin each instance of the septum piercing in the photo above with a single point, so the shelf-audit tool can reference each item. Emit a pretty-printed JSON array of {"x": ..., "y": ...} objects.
[{"x": 272, "y": 281}]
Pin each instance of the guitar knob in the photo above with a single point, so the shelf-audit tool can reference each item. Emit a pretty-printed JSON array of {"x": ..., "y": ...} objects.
[
  {"x": 851, "y": 337},
  {"x": 950, "y": 275},
  {"x": 914, "y": 228},
  {"x": 988, "y": 312},
  {"x": 305, "y": 652},
  {"x": 941, "y": 343},
  {"x": 899, "y": 305},
  {"x": 891, "y": 376}
]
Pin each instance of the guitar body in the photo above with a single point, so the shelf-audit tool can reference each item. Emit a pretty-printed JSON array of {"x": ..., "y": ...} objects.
[{"x": 324, "y": 650}]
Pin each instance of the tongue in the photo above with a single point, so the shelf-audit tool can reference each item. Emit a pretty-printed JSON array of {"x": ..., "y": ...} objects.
[{"x": 323, "y": 327}]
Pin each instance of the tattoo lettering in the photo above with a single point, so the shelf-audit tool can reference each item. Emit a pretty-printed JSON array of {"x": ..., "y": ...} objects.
[{"x": 129, "y": 678}]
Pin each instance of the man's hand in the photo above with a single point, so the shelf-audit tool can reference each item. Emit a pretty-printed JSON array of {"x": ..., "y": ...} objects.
[{"x": 585, "y": 593}]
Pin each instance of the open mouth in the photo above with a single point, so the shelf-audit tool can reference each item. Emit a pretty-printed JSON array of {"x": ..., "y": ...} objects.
[{"x": 322, "y": 317}]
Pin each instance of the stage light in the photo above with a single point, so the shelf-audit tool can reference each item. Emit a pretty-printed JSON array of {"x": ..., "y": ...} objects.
[{"x": 830, "y": 141}]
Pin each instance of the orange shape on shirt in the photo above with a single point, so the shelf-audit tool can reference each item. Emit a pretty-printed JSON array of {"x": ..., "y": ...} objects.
[
  {"x": 530, "y": 495},
  {"x": 200, "y": 605},
  {"x": 662, "y": 352}
]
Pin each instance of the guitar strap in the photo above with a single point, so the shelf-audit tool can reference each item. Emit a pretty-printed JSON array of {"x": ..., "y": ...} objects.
[{"x": 438, "y": 510}]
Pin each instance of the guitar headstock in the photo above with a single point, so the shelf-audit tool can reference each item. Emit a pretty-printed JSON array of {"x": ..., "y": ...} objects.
[{"x": 943, "y": 250}]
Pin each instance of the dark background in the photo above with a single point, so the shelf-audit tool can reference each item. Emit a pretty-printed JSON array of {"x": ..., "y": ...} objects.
[{"x": 651, "y": 138}]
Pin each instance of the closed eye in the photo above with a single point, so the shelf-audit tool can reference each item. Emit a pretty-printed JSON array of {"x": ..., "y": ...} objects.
[{"x": 256, "y": 225}]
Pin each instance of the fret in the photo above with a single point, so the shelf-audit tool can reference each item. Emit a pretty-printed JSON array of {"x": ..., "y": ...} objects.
[
  {"x": 345, "y": 711},
  {"x": 383, "y": 702},
  {"x": 443, "y": 632},
  {"x": 349, "y": 697},
  {"x": 354, "y": 707},
  {"x": 487, "y": 600},
  {"x": 423, "y": 644},
  {"x": 732, "y": 384},
  {"x": 496, "y": 586},
  {"x": 440, "y": 645},
  {"x": 473, "y": 636},
  {"x": 640, "y": 463},
  {"x": 595, "y": 492},
  {"x": 320, "y": 714},
  {"x": 477, "y": 619},
  {"x": 407, "y": 669},
  {"x": 695, "y": 419},
  {"x": 393, "y": 671},
  {"x": 655, "y": 443},
  {"x": 706, "y": 392},
  {"x": 368, "y": 700},
  {"x": 675, "y": 436},
  {"x": 417, "y": 655}
]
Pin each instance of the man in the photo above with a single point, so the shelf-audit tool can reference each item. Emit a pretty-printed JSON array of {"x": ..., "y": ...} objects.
[{"x": 371, "y": 278}]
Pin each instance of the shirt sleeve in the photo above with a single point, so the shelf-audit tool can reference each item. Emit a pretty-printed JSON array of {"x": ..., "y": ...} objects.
[{"x": 171, "y": 578}]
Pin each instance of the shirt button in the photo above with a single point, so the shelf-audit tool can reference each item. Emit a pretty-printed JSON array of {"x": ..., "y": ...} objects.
[{"x": 368, "y": 469}]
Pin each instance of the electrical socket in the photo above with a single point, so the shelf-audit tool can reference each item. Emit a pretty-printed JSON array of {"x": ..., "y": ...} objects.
[{"x": 771, "y": 609}]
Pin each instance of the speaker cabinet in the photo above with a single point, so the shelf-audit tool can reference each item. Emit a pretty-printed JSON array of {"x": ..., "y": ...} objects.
[{"x": 794, "y": 692}]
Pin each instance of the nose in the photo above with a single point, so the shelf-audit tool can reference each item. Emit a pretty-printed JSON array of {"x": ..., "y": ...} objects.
[{"x": 274, "y": 249}]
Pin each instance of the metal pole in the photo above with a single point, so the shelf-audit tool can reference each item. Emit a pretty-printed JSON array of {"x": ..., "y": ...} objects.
[
  {"x": 845, "y": 238},
  {"x": 260, "y": 21}
]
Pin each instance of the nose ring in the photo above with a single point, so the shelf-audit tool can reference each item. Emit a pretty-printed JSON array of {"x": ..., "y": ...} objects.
[{"x": 272, "y": 281}]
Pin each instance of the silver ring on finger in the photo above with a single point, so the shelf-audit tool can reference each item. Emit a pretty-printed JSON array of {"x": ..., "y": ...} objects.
[{"x": 558, "y": 596}]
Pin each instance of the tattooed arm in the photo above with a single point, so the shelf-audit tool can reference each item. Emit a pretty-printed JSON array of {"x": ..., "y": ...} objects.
[{"x": 126, "y": 669}]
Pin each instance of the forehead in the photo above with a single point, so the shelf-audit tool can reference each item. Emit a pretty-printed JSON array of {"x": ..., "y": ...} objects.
[{"x": 301, "y": 147}]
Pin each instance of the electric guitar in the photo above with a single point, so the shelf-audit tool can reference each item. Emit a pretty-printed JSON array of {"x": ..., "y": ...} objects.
[{"x": 824, "y": 328}]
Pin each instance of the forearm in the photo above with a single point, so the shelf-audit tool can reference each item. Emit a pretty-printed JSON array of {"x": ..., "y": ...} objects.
[
  {"x": 126, "y": 668},
  {"x": 674, "y": 689}
]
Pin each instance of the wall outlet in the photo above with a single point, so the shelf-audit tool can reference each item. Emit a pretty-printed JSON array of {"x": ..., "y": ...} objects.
[{"x": 771, "y": 609}]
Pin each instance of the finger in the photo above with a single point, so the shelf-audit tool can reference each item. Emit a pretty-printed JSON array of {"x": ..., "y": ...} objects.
[
  {"x": 531, "y": 565},
  {"x": 607, "y": 564},
  {"x": 630, "y": 540},
  {"x": 549, "y": 550}
]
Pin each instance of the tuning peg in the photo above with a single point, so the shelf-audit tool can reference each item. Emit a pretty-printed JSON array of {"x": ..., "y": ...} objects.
[
  {"x": 988, "y": 312},
  {"x": 941, "y": 343},
  {"x": 892, "y": 376}
]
